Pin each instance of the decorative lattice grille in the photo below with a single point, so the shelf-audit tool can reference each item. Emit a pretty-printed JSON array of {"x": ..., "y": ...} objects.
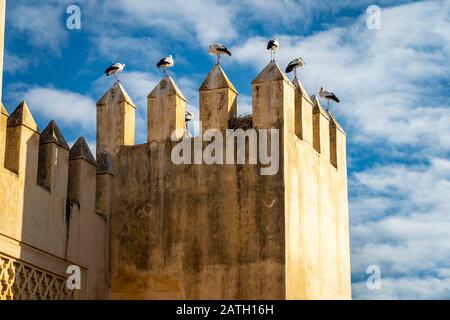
[{"x": 22, "y": 281}]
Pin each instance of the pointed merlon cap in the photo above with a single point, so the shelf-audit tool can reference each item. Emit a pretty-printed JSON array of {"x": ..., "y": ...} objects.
[
  {"x": 217, "y": 79},
  {"x": 52, "y": 134},
  {"x": 333, "y": 122},
  {"x": 4, "y": 111},
  {"x": 80, "y": 150},
  {"x": 104, "y": 163},
  {"x": 166, "y": 87},
  {"x": 317, "y": 107},
  {"x": 300, "y": 90},
  {"x": 22, "y": 117},
  {"x": 271, "y": 72},
  {"x": 116, "y": 94}
]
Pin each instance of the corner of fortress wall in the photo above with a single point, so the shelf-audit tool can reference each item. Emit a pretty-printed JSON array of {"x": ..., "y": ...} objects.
[
  {"x": 225, "y": 231},
  {"x": 181, "y": 231},
  {"x": 47, "y": 209},
  {"x": 48, "y": 217}
]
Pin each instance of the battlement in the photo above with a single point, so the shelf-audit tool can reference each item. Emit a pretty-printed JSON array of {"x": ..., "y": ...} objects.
[
  {"x": 41, "y": 159},
  {"x": 277, "y": 103},
  {"x": 222, "y": 229},
  {"x": 48, "y": 187}
]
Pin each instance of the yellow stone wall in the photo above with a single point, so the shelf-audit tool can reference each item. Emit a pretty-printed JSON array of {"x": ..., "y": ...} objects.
[
  {"x": 182, "y": 231},
  {"x": 317, "y": 231},
  {"x": 59, "y": 228},
  {"x": 226, "y": 231}
]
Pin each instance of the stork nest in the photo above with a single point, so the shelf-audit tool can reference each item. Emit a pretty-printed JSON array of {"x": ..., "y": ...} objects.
[{"x": 243, "y": 122}]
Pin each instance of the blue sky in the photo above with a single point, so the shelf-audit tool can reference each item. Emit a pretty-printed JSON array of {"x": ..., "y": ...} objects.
[{"x": 393, "y": 84}]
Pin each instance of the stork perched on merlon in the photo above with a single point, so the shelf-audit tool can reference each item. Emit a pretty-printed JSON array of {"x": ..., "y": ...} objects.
[
  {"x": 294, "y": 65},
  {"x": 217, "y": 49},
  {"x": 165, "y": 63},
  {"x": 188, "y": 116},
  {"x": 328, "y": 95},
  {"x": 272, "y": 46},
  {"x": 114, "y": 70}
]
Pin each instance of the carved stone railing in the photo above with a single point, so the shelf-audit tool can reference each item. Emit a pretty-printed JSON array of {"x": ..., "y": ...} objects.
[{"x": 22, "y": 281}]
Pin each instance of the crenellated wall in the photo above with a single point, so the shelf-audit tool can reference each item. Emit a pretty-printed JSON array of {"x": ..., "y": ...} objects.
[
  {"x": 142, "y": 227},
  {"x": 48, "y": 216},
  {"x": 224, "y": 231},
  {"x": 317, "y": 234},
  {"x": 47, "y": 205}
]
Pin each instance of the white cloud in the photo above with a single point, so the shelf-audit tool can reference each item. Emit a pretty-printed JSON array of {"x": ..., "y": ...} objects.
[
  {"x": 42, "y": 26},
  {"x": 138, "y": 52},
  {"x": 15, "y": 64},
  {"x": 68, "y": 108},
  {"x": 405, "y": 288},
  {"x": 207, "y": 20},
  {"x": 380, "y": 76},
  {"x": 298, "y": 16},
  {"x": 411, "y": 235},
  {"x": 202, "y": 20}
]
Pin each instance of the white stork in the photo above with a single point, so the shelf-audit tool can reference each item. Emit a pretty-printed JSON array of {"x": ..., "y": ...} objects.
[
  {"x": 328, "y": 95},
  {"x": 217, "y": 49},
  {"x": 165, "y": 63},
  {"x": 114, "y": 69},
  {"x": 272, "y": 46},
  {"x": 294, "y": 64},
  {"x": 188, "y": 116}
]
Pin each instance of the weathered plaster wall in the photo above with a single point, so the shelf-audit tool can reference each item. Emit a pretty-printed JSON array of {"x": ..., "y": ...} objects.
[
  {"x": 317, "y": 233},
  {"x": 34, "y": 212},
  {"x": 195, "y": 231},
  {"x": 225, "y": 231}
]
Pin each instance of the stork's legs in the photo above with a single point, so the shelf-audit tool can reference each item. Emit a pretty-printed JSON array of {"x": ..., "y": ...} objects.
[
  {"x": 295, "y": 73},
  {"x": 272, "y": 55},
  {"x": 218, "y": 59},
  {"x": 187, "y": 133},
  {"x": 328, "y": 105},
  {"x": 164, "y": 71},
  {"x": 117, "y": 79}
]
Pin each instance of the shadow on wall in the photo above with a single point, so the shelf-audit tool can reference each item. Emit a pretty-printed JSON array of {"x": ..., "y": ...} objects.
[{"x": 50, "y": 210}]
